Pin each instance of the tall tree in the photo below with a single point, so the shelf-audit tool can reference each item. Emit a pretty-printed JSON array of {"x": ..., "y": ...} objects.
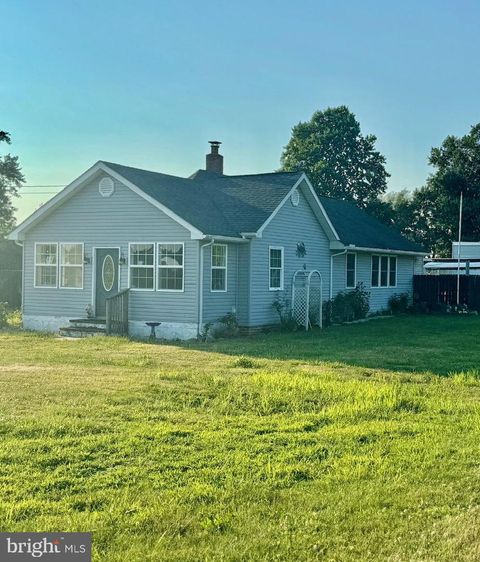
[
  {"x": 457, "y": 169},
  {"x": 339, "y": 160},
  {"x": 11, "y": 179}
]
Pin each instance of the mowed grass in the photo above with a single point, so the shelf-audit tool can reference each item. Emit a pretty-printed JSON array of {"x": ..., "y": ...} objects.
[{"x": 360, "y": 442}]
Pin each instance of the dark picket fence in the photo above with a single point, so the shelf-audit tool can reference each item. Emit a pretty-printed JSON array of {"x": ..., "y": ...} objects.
[{"x": 438, "y": 291}]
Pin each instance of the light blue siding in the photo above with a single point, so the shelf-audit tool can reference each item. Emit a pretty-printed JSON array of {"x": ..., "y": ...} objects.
[
  {"x": 125, "y": 217},
  {"x": 111, "y": 222},
  {"x": 217, "y": 304},
  {"x": 290, "y": 226},
  {"x": 407, "y": 266},
  {"x": 243, "y": 306}
]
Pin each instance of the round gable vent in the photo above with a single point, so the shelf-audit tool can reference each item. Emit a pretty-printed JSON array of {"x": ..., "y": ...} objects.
[
  {"x": 106, "y": 187},
  {"x": 295, "y": 198}
]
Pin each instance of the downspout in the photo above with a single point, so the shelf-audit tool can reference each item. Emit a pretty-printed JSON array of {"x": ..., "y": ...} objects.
[
  {"x": 331, "y": 269},
  {"x": 200, "y": 300},
  {"x": 23, "y": 269}
]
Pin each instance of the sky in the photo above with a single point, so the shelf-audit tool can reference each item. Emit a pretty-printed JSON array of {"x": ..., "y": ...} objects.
[{"x": 149, "y": 83}]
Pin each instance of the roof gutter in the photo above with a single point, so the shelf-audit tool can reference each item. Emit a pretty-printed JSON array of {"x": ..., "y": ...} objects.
[
  {"x": 354, "y": 248},
  {"x": 219, "y": 238}
]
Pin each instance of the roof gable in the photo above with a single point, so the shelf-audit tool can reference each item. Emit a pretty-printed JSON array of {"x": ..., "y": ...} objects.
[{"x": 209, "y": 204}]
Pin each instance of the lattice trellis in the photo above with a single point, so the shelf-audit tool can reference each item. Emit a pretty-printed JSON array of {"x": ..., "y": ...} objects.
[{"x": 307, "y": 301}]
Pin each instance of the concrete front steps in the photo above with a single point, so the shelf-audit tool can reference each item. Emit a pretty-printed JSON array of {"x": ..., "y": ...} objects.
[{"x": 84, "y": 328}]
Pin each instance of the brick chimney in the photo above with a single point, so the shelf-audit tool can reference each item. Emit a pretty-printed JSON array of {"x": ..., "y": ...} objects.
[{"x": 214, "y": 160}]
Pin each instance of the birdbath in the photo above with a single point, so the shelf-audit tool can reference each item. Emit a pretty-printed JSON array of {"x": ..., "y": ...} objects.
[{"x": 153, "y": 325}]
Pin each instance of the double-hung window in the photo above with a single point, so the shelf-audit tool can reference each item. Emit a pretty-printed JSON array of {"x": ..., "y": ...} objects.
[
  {"x": 351, "y": 268},
  {"x": 142, "y": 266},
  {"x": 71, "y": 266},
  {"x": 46, "y": 265},
  {"x": 219, "y": 268},
  {"x": 170, "y": 264},
  {"x": 384, "y": 271},
  {"x": 276, "y": 268}
]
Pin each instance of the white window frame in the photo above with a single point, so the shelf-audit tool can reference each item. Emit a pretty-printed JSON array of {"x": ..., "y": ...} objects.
[
  {"x": 389, "y": 257},
  {"x": 347, "y": 286},
  {"x": 130, "y": 265},
  {"x": 282, "y": 269},
  {"x": 41, "y": 264},
  {"x": 396, "y": 271},
  {"x": 158, "y": 266},
  {"x": 60, "y": 264},
  {"x": 225, "y": 267}
]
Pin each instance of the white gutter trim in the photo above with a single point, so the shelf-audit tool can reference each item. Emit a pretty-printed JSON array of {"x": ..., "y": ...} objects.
[
  {"x": 279, "y": 206},
  {"x": 307, "y": 181},
  {"x": 195, "y": 233},
  {"x": 14, "y": 235},
  {"x": 200, "y": 300},
  {"x": 385, "y": 251},
  {"x": 331, "y": 269},
  {"x": 224, "y": 238},
  {"x": 303, "y": 177}
]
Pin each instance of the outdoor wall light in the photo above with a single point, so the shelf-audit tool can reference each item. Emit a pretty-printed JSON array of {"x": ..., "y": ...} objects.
[
  {"x": 86, "y": 259},
  {"x": 122, "y": 260}
]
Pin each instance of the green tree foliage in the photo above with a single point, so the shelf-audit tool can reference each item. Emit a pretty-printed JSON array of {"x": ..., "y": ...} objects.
[
  {"x": 11, "y": 179},
  {"x": 339, "y": 160},
  {"x": 436, "y": 205}
]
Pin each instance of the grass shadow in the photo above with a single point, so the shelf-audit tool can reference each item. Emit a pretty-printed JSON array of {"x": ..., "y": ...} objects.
[{"x": 438, "y": 344}]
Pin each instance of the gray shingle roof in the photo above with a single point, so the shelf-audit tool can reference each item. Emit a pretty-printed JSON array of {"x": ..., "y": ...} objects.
[
  {"x": 216, "y": 205},
  {"x": 229, "y": 205},
  {"x": 357, "y": 227}
]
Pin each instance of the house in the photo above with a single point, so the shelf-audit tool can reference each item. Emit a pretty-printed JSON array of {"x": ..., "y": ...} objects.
[
  {"x": 468, "y": 264},
  {"x": 192, "y": 250}
]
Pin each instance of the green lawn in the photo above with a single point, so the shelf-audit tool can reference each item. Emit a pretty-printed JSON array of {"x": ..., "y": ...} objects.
[{"x": 360, "y": 442}]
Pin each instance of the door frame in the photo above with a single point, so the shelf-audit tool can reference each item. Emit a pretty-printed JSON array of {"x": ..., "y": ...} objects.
[{"x": 94, "y": 272}]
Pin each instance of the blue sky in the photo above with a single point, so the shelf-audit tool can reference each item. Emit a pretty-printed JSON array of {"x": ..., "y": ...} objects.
[{"x": 148, "y": 83}]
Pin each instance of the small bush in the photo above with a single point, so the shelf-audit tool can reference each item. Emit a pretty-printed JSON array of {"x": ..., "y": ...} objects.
[
  {"x": 8, "y": 317},
  {"x": 4, "y": 312},
  {"x": 224, "y": 327},
  {"x": 284, "y": 311},
  {"x": 14, "y": 319},
  {"x": 245, "y": 363},
  {"x": 230, "y": 322},
  {"x": 398, "y": 304},
  {"x": 347, "y": 306}
]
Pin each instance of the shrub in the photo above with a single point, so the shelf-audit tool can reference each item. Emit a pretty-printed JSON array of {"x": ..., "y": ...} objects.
[
  {"x": 230, "y": 322},
  {"x": 398, "y": 304},
  {"x": 14, "y": 319},
  {"x": 347, "y": 306},
  {"x": 245, "y": 363},
  {"x": 284, "y": 311},
  {"x": 226, "y": 326},
  {"x": 8, "y": 317},
  {"x": 4, "y": 312}
]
